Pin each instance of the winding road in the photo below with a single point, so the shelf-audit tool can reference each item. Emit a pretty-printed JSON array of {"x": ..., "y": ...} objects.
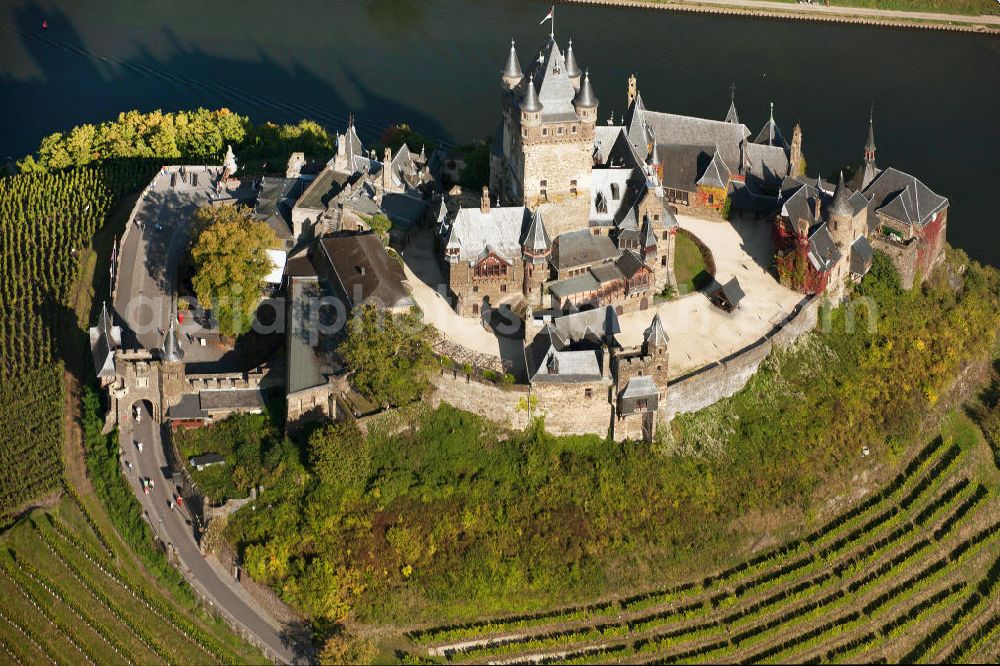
[{"x": 170, "y": 526}]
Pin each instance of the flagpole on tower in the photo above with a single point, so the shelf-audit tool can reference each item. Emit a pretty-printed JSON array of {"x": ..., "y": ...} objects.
[{"x": 550, "y": 17}]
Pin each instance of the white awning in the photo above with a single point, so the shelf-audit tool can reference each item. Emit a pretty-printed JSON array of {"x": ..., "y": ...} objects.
[{"x": 277, "y": 258}]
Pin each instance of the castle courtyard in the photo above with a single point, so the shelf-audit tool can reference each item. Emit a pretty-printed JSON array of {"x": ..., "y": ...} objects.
[{"x": 700, "y": 333}]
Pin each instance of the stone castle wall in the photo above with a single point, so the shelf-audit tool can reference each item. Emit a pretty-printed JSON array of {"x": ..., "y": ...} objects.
[
  {"x": 720, "y": 380},
  {"x": 504, "y": 405},
  {"x": 559, "y": 164}
]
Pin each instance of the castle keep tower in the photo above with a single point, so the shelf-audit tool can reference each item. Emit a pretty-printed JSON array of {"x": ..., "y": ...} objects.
[{"x": 547, "y": 138}]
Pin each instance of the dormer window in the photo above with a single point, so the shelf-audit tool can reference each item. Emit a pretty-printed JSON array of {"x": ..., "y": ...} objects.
[{"x": 601, "y": 203}]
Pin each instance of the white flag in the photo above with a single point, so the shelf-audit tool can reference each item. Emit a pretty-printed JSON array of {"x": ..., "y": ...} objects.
[{"x": 548, "y": 17}]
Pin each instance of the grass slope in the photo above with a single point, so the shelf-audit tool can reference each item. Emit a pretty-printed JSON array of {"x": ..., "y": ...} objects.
[{"x": 907, "y": 572}]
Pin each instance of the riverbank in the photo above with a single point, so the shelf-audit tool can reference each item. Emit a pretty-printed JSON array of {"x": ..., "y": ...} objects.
[{"x": 989, "y": 25}]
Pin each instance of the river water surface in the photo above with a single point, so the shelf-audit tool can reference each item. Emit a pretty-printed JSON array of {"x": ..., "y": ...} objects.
[{"x": 435, "y": 64}]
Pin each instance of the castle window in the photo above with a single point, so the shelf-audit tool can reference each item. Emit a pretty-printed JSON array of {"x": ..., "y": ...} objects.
[
  {"x": 475, "y": 308},
  {"x": 663, "y": 260},
  {"x": 573, "y": 129},
  {"x": 545, "y": 131},
  {"x": 656, "y": 217},
  {"x": 641, "y": 405},
  {"x": 597, "y": 232},
  {"x": 588, "y": 393},
  {"x": 543, "y": 183},
  {"x": 615, "y": 194},
  {"x": 524, "y": 132},
  {"x": 572, "y": 186},
  {"x": 475, "y": 289},
  {"x": 659, "y": 368},
  {"x": 503, "y": 287},
  {"x": 559, "y": 130},
  {"x": 601, "y": 203}
]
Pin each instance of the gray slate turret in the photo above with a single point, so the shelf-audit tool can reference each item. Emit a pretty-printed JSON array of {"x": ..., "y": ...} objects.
[
  {"x": 572, "y": 69},
  {"x": 512, "y": 70},
  {"x": 530, "y": 103},
  {"x": 841, "y": 204},
  {"x": 585, "y": 97},
  {"x": 172, "y": 351}
]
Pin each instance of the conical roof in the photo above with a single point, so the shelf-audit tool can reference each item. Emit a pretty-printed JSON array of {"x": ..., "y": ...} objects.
[
  {"x": 572, "y": 69},
  {"x": 530, "y": 102},
  {"x": 536, "y": 239},
  {"x": 870, "y": 144},
  {"x": 656, "y": 336},
  {"x": 654, "y": 157},
  {"x": 172, "y": 351},
  {"x": 731, "y": 115},
  {"x": 841, "y": 205},
  {"x": 585, "y": 97},
  {"x": 512, "y": 69},
  {"x": 648, "y": 237}
]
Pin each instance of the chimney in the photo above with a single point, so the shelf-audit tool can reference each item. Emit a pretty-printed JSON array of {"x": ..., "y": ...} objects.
[
  {"x": 484, "y": 203},
  {"x": 388, "y": 154},
  {"x": 631, "y": 89}
]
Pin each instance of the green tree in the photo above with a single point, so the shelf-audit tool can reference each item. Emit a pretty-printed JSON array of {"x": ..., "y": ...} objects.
[
  {"x": 339, "y": 454},
  {"x": 390, "y": 355},
  {"x": 230, "y": 260}
]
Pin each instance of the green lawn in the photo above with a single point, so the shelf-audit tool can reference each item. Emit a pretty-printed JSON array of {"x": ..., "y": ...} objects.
[{"x": 690, "y": 265}]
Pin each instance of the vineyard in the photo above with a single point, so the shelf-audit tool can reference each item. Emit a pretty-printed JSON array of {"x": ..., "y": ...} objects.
[
  {"x": 71, "y": 596},
  {"x": 910, "y": 574},
  {"x": 47, "y": 222}
]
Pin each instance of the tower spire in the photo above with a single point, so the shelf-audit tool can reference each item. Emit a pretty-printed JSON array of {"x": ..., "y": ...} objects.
[
  {"x": 732, "y": 116},
  {"x": 870, "y": 144}
]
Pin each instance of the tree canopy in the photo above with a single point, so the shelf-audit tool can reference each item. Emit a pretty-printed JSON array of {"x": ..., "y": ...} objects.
[
  {"x": 390, "y": 355},
  {"x": 230, "y": 260}
]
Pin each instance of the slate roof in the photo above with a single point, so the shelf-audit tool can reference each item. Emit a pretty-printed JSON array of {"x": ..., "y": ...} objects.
[
  {"x": 305, "y": 366},
  {"x": 904, "y": 197},
  {"x": 275, "y": 198},
  {"x": 716, "y": 174},
  {"x": 171, "y": 349},
  {"x": 770, "y": 134},
  {"x": 512, "y": 68},
  {"x": 365, "y": 270},
  {"x": 768, "y": 163},
  {"x": 841, "y": 204},
  {"x": 733, "y": 291},
  {"x": 731, "y": 115},
  {"x": 572, "y": 69},
  {"x": 403, "y": 209},
  {"x": 536, "y": 238},
  {"x": 640, "y": 387},
  {"x": 585, "y": 97},
  {"x": 629, "y": 263},
  {"x": 323, "y": 189},
  {"x": 601, "y": 181},
  {"x": 861, "y": 256},
  {"x": 604, "y": 139},
  {"x": 500, "y": 228},
  {"x": 530, "y": 101},
  {"x": 231, "y": 399},
  {"x": 609, "y": 272},
  {"x": 637, "y": 128},
  {"x": 671, "y": 129},
  {"x": 683, "y": 165},
  {"x": 823, "y": 252},
  {"x": 555, "y": 90},
  {"x": 568, "y": 367},
  {"x": 656, "y": 335},
  {"x": 571, "y": 328},
  {"x": 578, "y": 284},
  {"x": 576, "y": 248},
  {"x": 105, "y": 337}
]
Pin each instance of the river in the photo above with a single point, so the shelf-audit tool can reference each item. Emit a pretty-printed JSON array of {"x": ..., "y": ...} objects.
[{"x": 435, "y": 64}]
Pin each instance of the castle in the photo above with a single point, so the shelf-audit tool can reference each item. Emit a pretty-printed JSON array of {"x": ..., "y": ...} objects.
[{"x": 826, "y": 235}]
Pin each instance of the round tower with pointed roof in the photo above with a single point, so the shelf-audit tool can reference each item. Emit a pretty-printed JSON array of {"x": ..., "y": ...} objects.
[
  {"x": 512, "y": 74},
  {"x": 572, "y": 68},
  {"x": 585, "y": 102}
]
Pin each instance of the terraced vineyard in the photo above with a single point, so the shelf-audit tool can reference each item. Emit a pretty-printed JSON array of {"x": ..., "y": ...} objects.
[
  {"x": 910, "y": 574},
  {"x": 71, "y": 596}
]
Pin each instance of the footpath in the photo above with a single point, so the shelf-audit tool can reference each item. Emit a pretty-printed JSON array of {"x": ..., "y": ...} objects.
[{"x": 985, "y": 24}]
